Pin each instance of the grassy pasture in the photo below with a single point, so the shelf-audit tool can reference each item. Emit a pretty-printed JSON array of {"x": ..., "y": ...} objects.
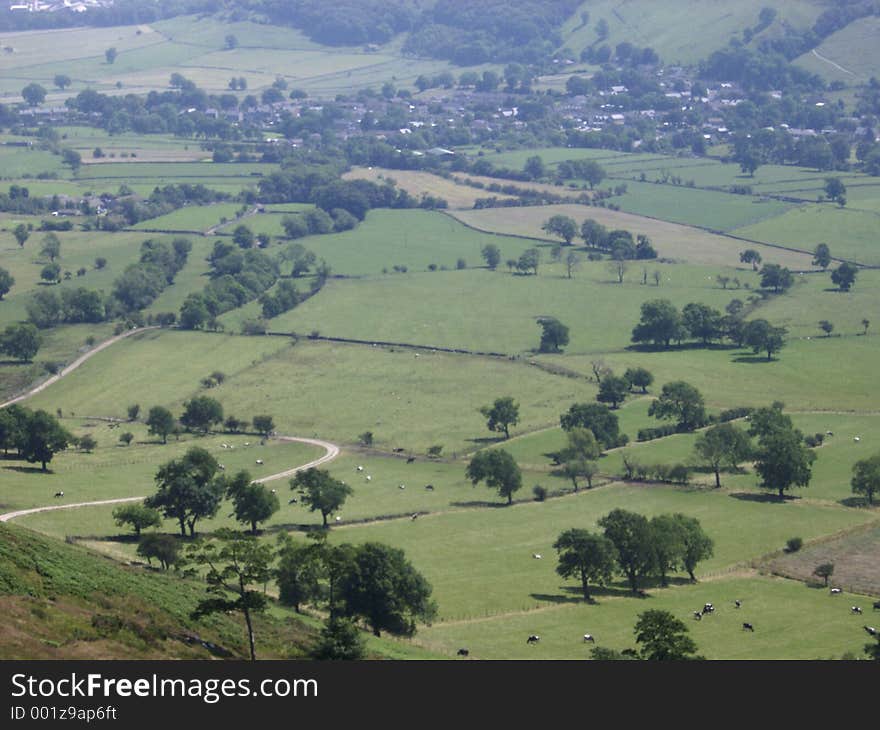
[
  {"x": 798, "y": 376},
  {"x": 819, "y": 628},
  {"x": 851, "y": 234},
  {"x": 494, "y": 311},
  {"x": 19, "y": 162},
  {"x": 196, "y": 218},
  {"x": 495, "y": 548},
  {"x": 672, "y": 240},
  {"x": 114, "y": 470}
]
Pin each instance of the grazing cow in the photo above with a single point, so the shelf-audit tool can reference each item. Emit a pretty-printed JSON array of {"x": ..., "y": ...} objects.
[
  {"x": 698, "y": 616},
  {"x": 247, "y": 443},
  {"x": 273, "y": 491},
  {"x": 856, "y": 609},
  {"x": 224, "y": 446},
  {"x": 737, "y": 603},
  {"x": 415, "y": 516},
  {"x": 59, "y": 494},
  {"x": 589, "y": 637},
  {"x": 360, "y": 468},
  {"x": 429, "y": 487},
  {"x": 533, "y": 639},
  {"x": 292, "y": 500},
  {"x": 401, "y": 486},
  {"x": 463, "y": 652},
  {"x": 829, "y": 433},
  {"x": 871, "y": 630},
  {"x": 338, "y": 518},
  {"x": 221, "y": 467},
  {"x": 536, "y": 556},
  {"x": 708, "y": 608},
  {"x": 835, "y": 591},
  {"x": 856, "y": 438},
  {"x": 748, "y": 627},
  {"x": 369, "y": 478},
  {"x": 260, "y": 462},
  {"x": 411, "y": 459},
  {"x": 876, "y": 605}
]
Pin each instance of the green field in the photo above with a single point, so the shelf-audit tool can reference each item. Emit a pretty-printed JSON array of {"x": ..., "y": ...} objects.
[{"x": 849, "y": 55}]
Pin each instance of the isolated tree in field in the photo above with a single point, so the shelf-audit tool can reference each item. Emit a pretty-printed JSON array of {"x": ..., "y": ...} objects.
[
  {"x": 822, "y": 256},
  {"x": 264, "y": 425},
  {"x": 230, "y": 42},
  {"x": 110, "y": 55},
  {"x": 597, "y": 418},
  {"x": 535, "y": 167},
  {"x": 238, "y": 568},
  {"x": 702, "y": 322},
  {"x": 723, "y": 445},
  {"x": 768, "y": 420},
  {"x": 299, "y": 572},
  {"x": 87, "y": 443},
  {"x": 698, "y": 545},
  {"x": 201, "y": 413},
  {"x": 491, "y": 255},
  {"x": 632, "y": 538},
  {"x": 824, "y": 571},
  {"x": 51, "y": 246},
  {"x": 320, "y": 492},
  {"x": 866, "y": 477},
  {"x": 7, "y": 281},
  {"x": 750, "y": 256},
  {"x": 680, "y": 401},
  {"x": 761, "y": 336},
  {"x": 576, "y": 467},
  {"x": 844, "y": 276},
  {"x": 563, "y": 226},
  {"x": 595, "y": 235},
  {"x": 340, "y": 640},
  {"x": 498, "y": 469},
  {"x": 776, "y": 277},
  {"x": 41, "y": 437},
  {"x": 554, "y": 335},
  {"x": 21, "y": 234},
  {"x": 784, "y": 461},
  {"x": 188, "y": 489},
  {"x": 638, "y": 378},
  {"x": 827, "y": 327},
  {"x": 126, "y": 438},
  {"x": 662, "y": 637},
  {"x": 161, "y": 422},
  {"x": 72, "y": 158},
  {"x": 501, "y": 415},
  {"x": 165, "y": 548},
  {"x": 62, "y": 81},
  {"x": 51, "y": 273},
  {"x": 613, "y": 389},
  {"x": 20, "y": 341},
  {"x": 366, "y": 438},
  {"x": 383, "y": 588},
  {"x": 587, "y": 557},
  {"x": 252, "y": 503},
  {"x": 660, "y": 323},
  {"x": 835, "y": 190},
  {"x": 582, "y": 444},
  {"x": 133, "y": 410},
  {"x": 33, "y": 94},
  {"x": 865, "y": 324},
  {"x": 138, "y": 516}
]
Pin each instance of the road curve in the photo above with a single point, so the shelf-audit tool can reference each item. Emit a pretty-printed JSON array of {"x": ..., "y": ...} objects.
[{"x": 331, "y": 451}]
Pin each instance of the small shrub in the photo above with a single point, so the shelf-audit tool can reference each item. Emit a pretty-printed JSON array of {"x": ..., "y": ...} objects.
[
  {"x": 539, "y": 492},
  {"x": 793, "y": 544}
]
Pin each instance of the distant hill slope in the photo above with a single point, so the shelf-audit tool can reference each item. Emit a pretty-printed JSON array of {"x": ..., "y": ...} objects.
[
  {"x": 851, "y": 55},
  {"x": 685, "y": 31},
  {"x": 64, "y": 602}
]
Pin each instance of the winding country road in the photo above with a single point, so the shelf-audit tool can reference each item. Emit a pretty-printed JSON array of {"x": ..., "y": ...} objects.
[{"x": 331, "y": 451}]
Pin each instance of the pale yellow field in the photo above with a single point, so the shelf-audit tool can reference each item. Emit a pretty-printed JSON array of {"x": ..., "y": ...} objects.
[{"x": 672, "y": 241}]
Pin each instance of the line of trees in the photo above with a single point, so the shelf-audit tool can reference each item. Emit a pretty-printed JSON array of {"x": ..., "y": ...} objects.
[{"x": 621, "y": 244}]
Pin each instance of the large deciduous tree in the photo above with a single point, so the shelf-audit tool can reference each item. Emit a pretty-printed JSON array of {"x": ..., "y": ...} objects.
[
  {"x": 201, "y": 413},
  {"x": 784, "y": 461},
  {"x": 660, "y": 323},
  {"x": 724, "y": 444},
  {"x": 631, "y": 535},
  {"x": 866, "y": 477},
  {"x": 844, "y": 276},
  {"x": 596, "y": 417},
  {"x": 563, "y": 226},
  {"x": 189, "y": 489},
  {"x": 681, "y": 401},
  {"x": 252, "y": 503},
  {"x": 42, "y": 437},
  {"x": 554, "y": 335},
  {"x": 587, "y": 557},
  {"x": 320, "y": 492},
  {"x": 663, "y": 637},
  {"x": 21, "y": 341},
  {"x": 498, "y": 469},
  {"x": 138, "y": 516},
  {"x": 762, "y": 336},
  {"x": 161, "y": 422},
  {"x": 501, "y": 415}
]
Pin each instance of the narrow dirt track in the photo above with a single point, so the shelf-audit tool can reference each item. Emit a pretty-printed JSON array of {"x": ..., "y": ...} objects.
[{"x": 331, "y": 451}]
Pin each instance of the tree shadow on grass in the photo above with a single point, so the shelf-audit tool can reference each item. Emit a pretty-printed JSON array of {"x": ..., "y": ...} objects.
[
  {"x": 28, "y": 469},
  {"x": 488, "y": 440},
  {"x": 763, "y": 498},
  {"x": 754, "y": 359},
  {"x": 854, "y": 502},
  {"x": 480, "y": 503}
]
